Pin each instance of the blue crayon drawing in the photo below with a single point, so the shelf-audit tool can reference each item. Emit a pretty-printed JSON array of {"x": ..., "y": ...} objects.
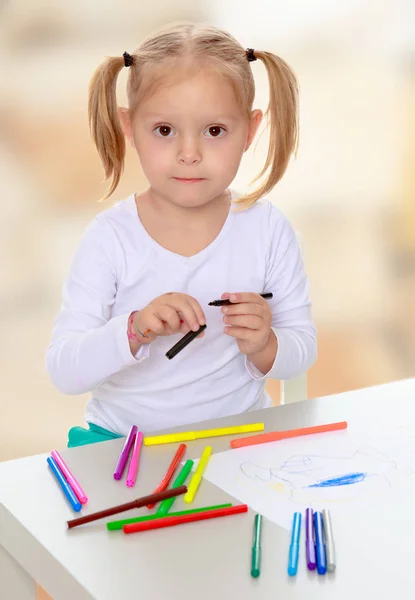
[
  {"x": 306, "y": 478},
  {"x": 348, "y": 479}
]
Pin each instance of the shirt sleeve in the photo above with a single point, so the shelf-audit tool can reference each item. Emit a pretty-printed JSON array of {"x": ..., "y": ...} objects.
[
  {"x": 291, "y": 307},
  {"x": 87, "y": 345}
]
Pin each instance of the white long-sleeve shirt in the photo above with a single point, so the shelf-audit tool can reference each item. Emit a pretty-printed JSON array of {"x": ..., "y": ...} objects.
[{"x": 119, "y": 268}]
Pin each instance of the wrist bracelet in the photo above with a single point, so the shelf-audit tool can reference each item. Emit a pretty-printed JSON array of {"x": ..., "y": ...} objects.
[{"x": 130, "y": 331}]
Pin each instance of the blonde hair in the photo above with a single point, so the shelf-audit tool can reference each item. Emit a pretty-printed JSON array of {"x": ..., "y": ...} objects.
[{"x": 195, "y": 45}]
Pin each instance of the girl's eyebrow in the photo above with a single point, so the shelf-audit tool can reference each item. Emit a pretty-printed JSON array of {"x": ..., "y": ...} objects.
[{"x": 168, "y": 118}]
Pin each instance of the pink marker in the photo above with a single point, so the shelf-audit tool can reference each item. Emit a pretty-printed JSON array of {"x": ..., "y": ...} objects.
[
  {"x": 135, "y": 459},
  {"x": 78, "y": 491}
]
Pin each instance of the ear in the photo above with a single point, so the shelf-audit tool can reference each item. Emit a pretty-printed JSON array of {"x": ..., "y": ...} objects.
[
  {"x": 254, "y": 123},
  {"x": 124, "y": 116}
]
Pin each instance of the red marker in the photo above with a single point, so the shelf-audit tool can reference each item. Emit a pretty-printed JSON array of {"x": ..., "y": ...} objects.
[{"x": 171, "y": 521}]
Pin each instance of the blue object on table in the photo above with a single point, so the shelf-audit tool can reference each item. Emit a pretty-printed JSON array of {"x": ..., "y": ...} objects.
[
  {"x": 295, "y": 545},
  {"x": 320, "y": 545},
  {"x": 67, "y": 490}
]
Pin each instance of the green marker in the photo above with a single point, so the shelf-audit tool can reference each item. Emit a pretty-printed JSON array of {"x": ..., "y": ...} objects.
[
  {"x": 256, "y": 548},
  {"x": 116, "y": 525},
  {"x": 165, "y": 506}
]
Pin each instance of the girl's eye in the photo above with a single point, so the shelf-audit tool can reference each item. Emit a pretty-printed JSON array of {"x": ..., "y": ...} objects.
[
  {"x": 164, "y": 130},
  {"x": 215, "y": 131}
]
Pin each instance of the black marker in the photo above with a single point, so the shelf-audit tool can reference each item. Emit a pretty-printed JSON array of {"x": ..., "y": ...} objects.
[
  {"x": 227, "y": 302},
  {"x": 189, "y": 337}
]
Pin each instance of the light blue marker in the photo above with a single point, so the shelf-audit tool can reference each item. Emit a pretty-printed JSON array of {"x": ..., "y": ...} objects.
[
  {"x": 67, "y": 490},
  {"x": 295, "y": 545}
]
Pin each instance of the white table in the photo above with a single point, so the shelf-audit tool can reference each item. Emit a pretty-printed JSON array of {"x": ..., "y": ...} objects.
[{"x": 200, "y": 560}]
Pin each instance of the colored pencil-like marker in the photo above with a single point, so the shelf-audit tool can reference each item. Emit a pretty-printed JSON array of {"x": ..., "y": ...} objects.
[
  {"x": 66, "y": 488},
  {"x": 320, "y": 545},
  {"x": 164, "y": 483},
  {"x": 171, "y": 521},
  {"x": 125, "y": 453},
  {"x": 275, "y": 436},
  {"x": 117, "y": 525},
  {"x": 197, "y": 476},
  {"x": 187, "y": 436},
  {"x": 138, "y": 503},
  {"x": 227, "y": 302},
  {"x": 256, "y": 548},
  {"x": 73, "y": 482},
  {"x": 135, "y": 460},
  {"x": 295, "y": 545},
  {"x": 328, "y": 535},
  {"x": 181, "y": 344},
  {"x": 310, "y": 549},
  {"x": 165, "y": 506}
]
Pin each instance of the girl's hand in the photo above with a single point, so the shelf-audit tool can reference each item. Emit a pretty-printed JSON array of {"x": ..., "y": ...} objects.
[
  {"x": 248, "y": 319},
  {"x": 167, "y": 314}
]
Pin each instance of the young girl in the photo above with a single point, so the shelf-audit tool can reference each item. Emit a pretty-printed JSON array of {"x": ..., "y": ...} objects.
[{"x": 147, "y": 268}]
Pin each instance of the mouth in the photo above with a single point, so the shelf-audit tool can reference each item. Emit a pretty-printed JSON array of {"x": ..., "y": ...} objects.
[{"x": 189, "y": 179}]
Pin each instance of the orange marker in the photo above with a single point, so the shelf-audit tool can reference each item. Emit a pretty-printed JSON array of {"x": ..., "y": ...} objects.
[
  {"x": 275, "y": 436},
  {"x": 164, "y": 483}
]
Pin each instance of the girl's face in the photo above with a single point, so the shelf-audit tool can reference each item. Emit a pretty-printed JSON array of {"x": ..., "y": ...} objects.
[{"x": 190, "y": 136}]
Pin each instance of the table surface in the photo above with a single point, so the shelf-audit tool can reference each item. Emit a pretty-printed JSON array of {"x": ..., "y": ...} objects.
[{"x": 203, "y": 560}]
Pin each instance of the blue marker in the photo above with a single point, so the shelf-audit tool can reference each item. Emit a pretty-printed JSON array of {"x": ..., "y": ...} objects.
[
  {"x": 320, "y": 545},
  {"x": 295, "y": 545},
  {"x": 67, "y": 490}
]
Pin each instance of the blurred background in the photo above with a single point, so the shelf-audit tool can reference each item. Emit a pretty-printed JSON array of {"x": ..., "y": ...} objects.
[{"x": 350, "y": 193}]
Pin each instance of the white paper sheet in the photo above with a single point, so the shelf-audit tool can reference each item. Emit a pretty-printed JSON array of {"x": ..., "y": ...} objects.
[{"x": 339, "y": 471}]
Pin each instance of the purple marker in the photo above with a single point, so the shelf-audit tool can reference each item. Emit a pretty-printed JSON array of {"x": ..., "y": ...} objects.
[
  {"x": 310, "y": 549},
  {"x": 125, "y": 453}
]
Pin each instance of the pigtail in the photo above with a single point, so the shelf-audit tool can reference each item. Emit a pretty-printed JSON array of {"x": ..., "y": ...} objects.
[
  {"x": 282, "y": 115},
  {"x": 104, "y": 122}
]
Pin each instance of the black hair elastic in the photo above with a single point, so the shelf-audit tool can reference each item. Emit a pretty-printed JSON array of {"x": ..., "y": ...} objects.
[
  {"x": 250, "y": 54},
  {"x": 128, "y": 59}
]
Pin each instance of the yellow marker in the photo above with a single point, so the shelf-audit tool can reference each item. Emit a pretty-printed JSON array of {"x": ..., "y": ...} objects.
[
  {"x": 170, "y": 438},
  {"x": 189, "y": 436},
  {"x": 197, "y": 476}
]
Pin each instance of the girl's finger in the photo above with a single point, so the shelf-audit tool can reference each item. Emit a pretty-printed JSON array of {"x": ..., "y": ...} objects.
[
  {"x": 248, "y": 321},
  {"x": 243, "y": 309},
  {"x": 170, "y": 317},
  {"x": 182, "y": 305},
  {"x": 201, "y": 319},
  {"x": 240, "y": 333},
  {"x": 248, "y": 297},
  {"x": 154, "y": 324}
]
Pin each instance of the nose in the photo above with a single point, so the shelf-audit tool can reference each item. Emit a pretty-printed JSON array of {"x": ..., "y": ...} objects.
[{"x": 189, "y": 151}]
